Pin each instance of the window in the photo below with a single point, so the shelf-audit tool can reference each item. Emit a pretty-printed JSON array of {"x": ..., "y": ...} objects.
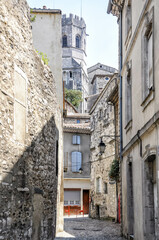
[
  {"x": 65, "y": 202},
  {"x": 77, "y": 41},
  {"x": 105, "y": 188},
  {"x": 76, "y": 161},
  {"x": 64, "y": 41},
  {"x": 100, "y": 113},
  {"x": 78, "y": 120},
  {"x": 76, "y": 139},
  {"x": 98, "y": 185},
  {"x": 128, "y": 93},
  {"x": 128, "y": 18},
  {"x": 147, "y": 58},
  {"x": 70, "y": 74}
]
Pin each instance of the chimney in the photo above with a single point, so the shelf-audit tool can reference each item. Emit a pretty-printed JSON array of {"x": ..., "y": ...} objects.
[{"x": 44, "y": 7}]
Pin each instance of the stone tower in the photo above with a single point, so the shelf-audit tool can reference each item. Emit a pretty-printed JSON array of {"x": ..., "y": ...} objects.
[{"x": 74, "y": 56}]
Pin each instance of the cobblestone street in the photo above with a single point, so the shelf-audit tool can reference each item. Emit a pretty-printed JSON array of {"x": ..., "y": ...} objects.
[{"x": 87, "y": 228}]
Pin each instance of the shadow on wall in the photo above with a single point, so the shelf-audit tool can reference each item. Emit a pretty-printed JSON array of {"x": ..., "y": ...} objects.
[{"x": 29, "y": 190}]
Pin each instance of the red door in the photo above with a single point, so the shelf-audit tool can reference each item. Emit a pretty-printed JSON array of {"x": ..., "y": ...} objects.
[{"x": 86, "y": 201}]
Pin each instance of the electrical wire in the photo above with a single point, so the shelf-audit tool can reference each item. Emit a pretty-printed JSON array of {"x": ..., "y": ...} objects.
[{"x": 89, "y": 162}]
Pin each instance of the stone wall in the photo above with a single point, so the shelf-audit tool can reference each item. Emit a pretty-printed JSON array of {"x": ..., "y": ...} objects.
[
  {"x": 30, "y": 132},
  {"x": 103, "y": 202}
]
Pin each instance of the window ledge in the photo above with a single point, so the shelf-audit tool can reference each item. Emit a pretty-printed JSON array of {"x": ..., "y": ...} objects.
[
  {"x": 128, "y": 37},
  {"x": 128, "y": 125},
  {"x": 147, "y": 99}
]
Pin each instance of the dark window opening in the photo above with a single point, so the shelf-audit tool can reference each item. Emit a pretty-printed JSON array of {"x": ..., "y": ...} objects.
[
  {"x": 105, "y": 188},
  {"x": 77, "y": 42},
  {"x": 64, "y": 41},
  {"x": 70, "y": 74}
]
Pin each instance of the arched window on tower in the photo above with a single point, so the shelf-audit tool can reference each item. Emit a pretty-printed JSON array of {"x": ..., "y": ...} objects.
[
  {"x": 64, "y": 41},
  {"x": 77, "y": 41}
]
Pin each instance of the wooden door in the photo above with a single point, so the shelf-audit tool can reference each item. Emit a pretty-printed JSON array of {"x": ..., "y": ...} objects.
[{"x": 86, "y": 201}]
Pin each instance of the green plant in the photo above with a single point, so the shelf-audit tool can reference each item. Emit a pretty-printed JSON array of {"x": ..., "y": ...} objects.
[
  {"x": 73, "y": 96},
  {"x": 43, "y": 57},
  {"x": 114, "y": 170},
  {"x": 32, "y": 19}
]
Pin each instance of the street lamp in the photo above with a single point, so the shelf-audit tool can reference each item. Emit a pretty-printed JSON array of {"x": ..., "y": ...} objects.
[{"x": 102, "y": 145}]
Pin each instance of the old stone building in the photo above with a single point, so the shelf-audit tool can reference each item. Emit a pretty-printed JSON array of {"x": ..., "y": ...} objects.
[
  {"x": 139, "y": 100},
  {"x": 74, "y": 56},
  {"x": 30, "y": 133},
  {"x": 98, "y": 75},
  {"x": 76, "y": 163},
  {"x": 103, "y": 189}
]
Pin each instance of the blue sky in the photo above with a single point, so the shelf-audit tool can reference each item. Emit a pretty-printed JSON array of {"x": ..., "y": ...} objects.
[{"x": 102, "y": 42}]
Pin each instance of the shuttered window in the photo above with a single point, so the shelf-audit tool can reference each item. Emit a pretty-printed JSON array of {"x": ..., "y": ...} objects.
[
  {"x": 76, "y": 161},
  {"x": 150, "y": 61},
  {"x": 76, "y": 139}
]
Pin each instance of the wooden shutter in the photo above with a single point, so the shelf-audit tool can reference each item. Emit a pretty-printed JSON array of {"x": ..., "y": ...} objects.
[
  {"x": 78, "y": 140},
  {"x": 74, "y": 139},
  {"x": 78, "y": 161},
  {"x": 73, "y": 161}
]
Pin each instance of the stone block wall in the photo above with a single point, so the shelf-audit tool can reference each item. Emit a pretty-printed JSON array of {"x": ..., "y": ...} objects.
[
  {"x": 30, "y": 132},
  {"x": 103, "y": 200}
]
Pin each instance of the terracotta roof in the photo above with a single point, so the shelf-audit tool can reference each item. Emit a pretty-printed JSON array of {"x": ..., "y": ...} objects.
[
  {"x": 78, "y": 115},
  {"x": 77, "y": 127}
]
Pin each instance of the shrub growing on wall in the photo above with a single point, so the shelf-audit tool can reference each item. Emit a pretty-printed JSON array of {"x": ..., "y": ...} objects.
[{"x": 114, "y": 170}]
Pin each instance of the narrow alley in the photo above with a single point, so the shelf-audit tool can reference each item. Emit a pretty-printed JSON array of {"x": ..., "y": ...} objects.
[{"x": 87, "y": 228}]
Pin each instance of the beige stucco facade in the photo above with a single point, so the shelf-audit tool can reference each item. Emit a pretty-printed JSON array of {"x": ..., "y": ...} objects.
[
  {"x": 47, "y": 34},
  {"x": 76, "y": 183},
  {"x": 140, "y": 100}
]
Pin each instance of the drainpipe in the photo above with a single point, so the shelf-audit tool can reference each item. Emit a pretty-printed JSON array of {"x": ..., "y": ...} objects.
[
  {"x": 121, "y": 120},
  {"x": 138, "y": 135}
]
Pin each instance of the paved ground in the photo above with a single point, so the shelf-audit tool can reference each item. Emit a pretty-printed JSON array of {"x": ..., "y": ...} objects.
[{"x": 87, "y": 228}]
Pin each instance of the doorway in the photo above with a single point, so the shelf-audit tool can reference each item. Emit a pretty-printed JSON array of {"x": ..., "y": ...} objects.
[
  {"x": 130, "y": 199},
  {"x": 86, "y": 201},
  {"x": 150, "y": 197}
]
